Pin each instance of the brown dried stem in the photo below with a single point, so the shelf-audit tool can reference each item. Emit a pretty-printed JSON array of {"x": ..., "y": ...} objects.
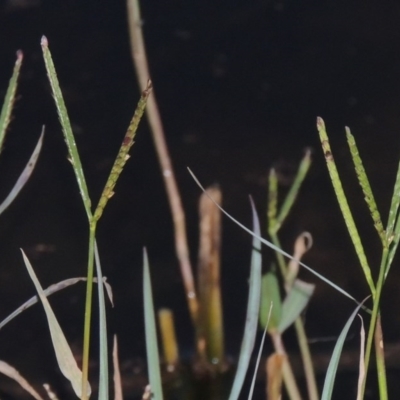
[{"x": 153, "y": 115}]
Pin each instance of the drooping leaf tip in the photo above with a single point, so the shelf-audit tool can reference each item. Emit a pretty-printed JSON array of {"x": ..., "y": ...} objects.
[{"x": 44, "y": 42}]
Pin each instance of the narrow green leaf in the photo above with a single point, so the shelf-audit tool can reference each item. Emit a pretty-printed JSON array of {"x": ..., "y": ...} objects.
[
  {"x": 49, "y": 291},
  {"x": 334, "y": 362},
  {"x": 153, "y": 360},
  {"x": 366, "y": 187},
  {"x": 66, "y": 127},
  {"x": 253, "y": 307},
  {"x": 65, "y": 358},
  {"x": 270, "y": 294},
  {"x": 294, "y": 189},
  {"x": 122, "y": 156},
  {"x": 25, "y": 175},
  {"x": 103, "y": 350},
  {"x": 295, "y": 303},
  {"x": 344, "y": 205},
  {"x": 6, "y": 110},
  {"x": 276, "y": 248}
]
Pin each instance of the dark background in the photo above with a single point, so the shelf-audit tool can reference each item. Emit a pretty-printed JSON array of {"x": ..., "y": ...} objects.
[{"x": 239, "y": 85}]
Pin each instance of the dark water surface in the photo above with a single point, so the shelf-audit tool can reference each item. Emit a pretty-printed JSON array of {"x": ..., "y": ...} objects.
[{"x": 239, "y": 86}]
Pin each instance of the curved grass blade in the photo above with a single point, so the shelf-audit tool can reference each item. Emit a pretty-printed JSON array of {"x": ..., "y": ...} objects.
[
  {"x": 65, "y": 358},
  {"x": 49, "y": 291},
  {"x": 103, "y": 350},
  {"x": 5, "y": 115},
  {"x": 276, "y": 248},
  {"x": 23, "y": 178},
  {"x": 334, "y": 362},
  {"x": 366, "y": 187},
  {"x": 295, "y": 303},
  {"x": 294, "y": 189},
  {"x": 11, "y": 372},
  {"x": 123, "y": 155},
  {"x": 153, "y": 360},
  {"x": 253, "y": 307},
  {"x": 66, "y": 127},
  {"x": 344, "y": 205}
]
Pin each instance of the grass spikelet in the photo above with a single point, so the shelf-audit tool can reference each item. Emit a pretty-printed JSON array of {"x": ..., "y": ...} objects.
[
  {"x": 123, "y": 155},
  {"x": 344, "y": 205},
  {"x": 5, "y": 115},
  {"x": 366, "y": 187},
  {"x": 66, "y": 126}
]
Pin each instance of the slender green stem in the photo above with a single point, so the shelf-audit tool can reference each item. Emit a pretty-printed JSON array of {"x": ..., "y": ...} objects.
[
  {"x": 371, "y": 332},
  {"x": 88, "y": 310},
  {"x": 380, "y": 360},
  {"x": 301, "y": 334}
]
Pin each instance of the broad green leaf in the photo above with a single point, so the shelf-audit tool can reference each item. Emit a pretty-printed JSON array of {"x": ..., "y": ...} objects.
[
  {"x": 295, "y": 303},
  {"x": 23, "y": 178},
  {"x": 5, "y": 115},
  {"x": 276, "y": 248},
  {"x": 270, "y": 294},
  {"x": 103, "y": 350},
  {"x": 65, "y": 358},
  {"x": 334, "y": 362},
  {"x": 253, "y": 308},
  {"x": 153, "y": 359}
]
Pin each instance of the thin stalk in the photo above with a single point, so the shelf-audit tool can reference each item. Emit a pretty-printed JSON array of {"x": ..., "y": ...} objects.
[
  {"x": 168, "y": 338},
  {"x": 380, "y": 360},
  {"x": 372, "y": 326},
  {"x": 88, "y": 311},
  {"x": 301, "y": 334},
  {"x": 143, "y": 74}
]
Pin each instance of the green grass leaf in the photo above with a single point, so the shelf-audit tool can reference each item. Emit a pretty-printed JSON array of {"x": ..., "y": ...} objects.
[
  {"x": 65, "y": 358},
  {"x": 6, "y": 110},
  {"x": 253, "y": 307},
  {"x": 153, "y": 360},
  {"x": 295, "y": 303},
  {"x": 334, "y": 362},
  {"x": 25, "y": 175},
  {"x": 270, "y": 294},
  {"x": 66, "y": 127}
]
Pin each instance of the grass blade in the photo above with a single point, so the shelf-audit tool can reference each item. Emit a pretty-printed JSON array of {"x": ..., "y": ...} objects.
[
  {"x": 66, "y": 126},
  {"x": 65, "y": 358},
  {"x": 5, "y": 115},
  {"x": 117, "y": 373},
  {"x": 49, "y": 291},
  {"x": 295, "y": 303},
  {"x": 153, "y": 360},
  {"x": 276, "y": 248},
  {"x": 294, "y": 189},
  {"x": 366, "y": 187},
  {"x": 362, "y": 373},
  {"x": 11, "y": 372},
  {"x": 253, "y": 307},
  {"x": 123, "y": 154},
  {"x": 103, "y": 350},
  {"x": 23, "y": 178},
  {"x": 334, "y": 362},
  {"x": 344, "y": 205},
  {"x": 270, "y": 294}
]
